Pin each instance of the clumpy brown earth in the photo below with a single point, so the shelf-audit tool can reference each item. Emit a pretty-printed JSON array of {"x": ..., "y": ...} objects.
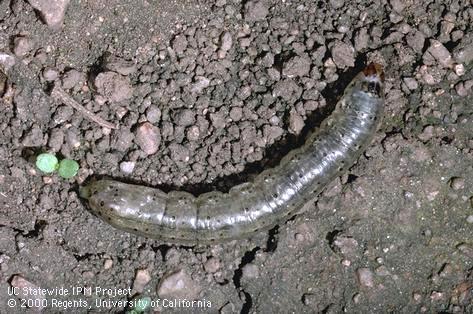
[{"x": 205, "y": 94}]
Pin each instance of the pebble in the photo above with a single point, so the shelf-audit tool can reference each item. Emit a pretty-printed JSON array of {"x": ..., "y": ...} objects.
[
  {"x": 72, "y": 78},
  {"x": 148, "y": 138},
  {"x": 184, "y": 117},
  {"x": 457, "y": 183},
  {"x": 52, "y": 11},
  {"x": 22, "y": 46},
  {"x": 236, "y": 113},
  {"x": 343, "y": 54},
  {"x": 193, "y": 133},
  {"x": 469, "y": 219},
  {"x": 113, "y": 86},
  {"x": 108, "y": 264},
  {"x": 119, "y": 65},
  {"x": 464, "y": 88},
  {"x": 153, "y": 114},
  {"x": 250, "y": 271},
  {"x": 6, "y": 61},
  {"x": 50, "y": 74},
  {"x": 426, "y": 134},
  {"x": 297, "y": 66},
  {"x": 212, "y": 265},
  {"x": 23, "y": 285},
  {"x": 296, "y": 122},
  {"x": 142, "y": 278},
  {"x": 226, "y": 41},
  {"x": 411, "y": 83},
  {"x": 346, "y": 245},
  {"x": 440, "y": 53},
  {"x": 178, "y": 285},
  {"x": 365, "y": 277},
  {"x": 127, "y": 166},
  {"x": 200, "y": 84},
  {"x": 256, "y": 11}
]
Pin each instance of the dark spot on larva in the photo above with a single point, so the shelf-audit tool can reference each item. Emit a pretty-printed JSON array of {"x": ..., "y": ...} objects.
[
  {"x": 275, "y": 195},
  {"x": 212, "y": 239},
  {"x": 173, "y": 218},
  {"x": 340, "y": 169},
  {"x": 220, "y": 234},
  {"x": 146, "y": 229},
  {"x": 245, "y": 209},
  {"x": 301, "y": 175},
  {"x": 208, "y": 217},
  {"x": 102, "y": 204},
  {"x": 134, "y": 229},
  {"x": 109, "y": 219},
  {"x": 115, "y": 195}
]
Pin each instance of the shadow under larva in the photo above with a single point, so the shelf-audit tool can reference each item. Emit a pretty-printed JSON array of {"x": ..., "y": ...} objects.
[{"x": 272, "y": 197}]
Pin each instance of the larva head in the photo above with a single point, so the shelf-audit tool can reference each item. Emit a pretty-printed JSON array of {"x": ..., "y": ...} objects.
[
  {"x": 372, "y": 80},
  {"x": 105, "y": 197}
]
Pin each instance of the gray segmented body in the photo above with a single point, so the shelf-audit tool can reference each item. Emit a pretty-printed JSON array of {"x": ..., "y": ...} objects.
[{"x": 271, "y": 198}]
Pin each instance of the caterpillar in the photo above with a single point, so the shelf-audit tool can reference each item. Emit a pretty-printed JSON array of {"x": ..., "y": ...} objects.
[{"x": 271, "y": 198}]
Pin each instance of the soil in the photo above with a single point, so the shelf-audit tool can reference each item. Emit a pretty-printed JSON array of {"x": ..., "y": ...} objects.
[{"x": 205, "y": 94}]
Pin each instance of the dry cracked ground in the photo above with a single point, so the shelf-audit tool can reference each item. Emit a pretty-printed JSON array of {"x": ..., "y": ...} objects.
[{"x": 200, "y": 96}]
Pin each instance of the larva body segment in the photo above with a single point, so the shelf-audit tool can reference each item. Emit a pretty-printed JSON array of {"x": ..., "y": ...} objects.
[{"x": 271, "y": 198}]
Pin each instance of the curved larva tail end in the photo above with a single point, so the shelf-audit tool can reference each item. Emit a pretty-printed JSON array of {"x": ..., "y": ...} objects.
[{"x": 374, "y": 69}]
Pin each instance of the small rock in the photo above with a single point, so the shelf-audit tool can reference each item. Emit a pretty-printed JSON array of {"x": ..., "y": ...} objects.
[
  {"x": 72, "y": 78},
  {"x": 226, "y": 41},
  {"x": 218, "y": 120},
  {"x": 236, "y": 113},
  {"x": 178, "y": 285},
  {"x": 148, "y": 138},
  {"x": 23, "y": 285},
  {"x": 52, "y": 11},
  {"x": 457, "y": 183},
  {"x": 50, "y": 74},
  {"x": 296, "y": 122},
  {"x": 250, "y": 271},
  {"x": 22, "y": 46},
  {"x": 440, "y": 53},
  {"x": 411, "y": 83},
  {"x": 469, "y": 219},
  {"x": 142, "y": 278},
  {"x": 426, "y": 134},
  {"x": 337, "y": 4},
  {"x": 193, "y": 133},
  {"x": 437, "y": 296},
  {"x": 200, "y": 84},
  {"x": 127, "y": 166},
  {"x": 256, "y": 11},
  {"x": 343, "y": 54},
  {"x": 365, "y": 277},
  {"x": 122, "y": 139},
  {"x": 107, "y": 264},
  {"x": 119, "y": 65},
  {"x": 212, "y": 265},
  {"x": 272, "y": 132},
  {"x": 179, "y": 152},
  {"x": 185, "y": 117},
  {"x": 153, "y": 114},
  {"x": 6, "y": 61},
  {"x": 179, "y": 44},
  {"x": 347, "y": 246},
  {"x": 114, "y": 86},
  {"x": 397, "y": 5},
  {"x": 297, "y": 66}
]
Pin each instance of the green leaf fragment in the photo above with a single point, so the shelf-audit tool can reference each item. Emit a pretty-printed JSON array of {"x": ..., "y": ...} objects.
[
  {"x": 68, "y": 168},
  {"x": 46, "y": 162}
]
